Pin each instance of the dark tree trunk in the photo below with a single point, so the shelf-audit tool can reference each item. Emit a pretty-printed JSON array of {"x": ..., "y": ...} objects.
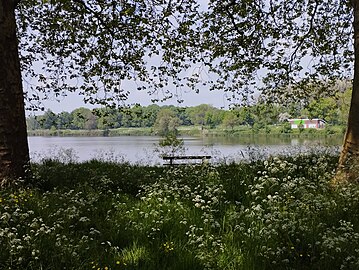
[{"x": 14, "y": 151}]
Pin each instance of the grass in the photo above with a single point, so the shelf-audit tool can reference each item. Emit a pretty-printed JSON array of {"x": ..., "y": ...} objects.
[
  {"x": 143, "y": 131},
  {"x": 278, "y": 130},
  {"x": 277, "y": 213}
]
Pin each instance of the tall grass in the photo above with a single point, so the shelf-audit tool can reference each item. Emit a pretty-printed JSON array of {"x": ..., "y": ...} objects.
[{"x": 278, "y": 213}]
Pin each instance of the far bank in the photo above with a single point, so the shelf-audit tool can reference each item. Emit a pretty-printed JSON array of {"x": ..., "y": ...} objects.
[{"x": 269, "y": 130}]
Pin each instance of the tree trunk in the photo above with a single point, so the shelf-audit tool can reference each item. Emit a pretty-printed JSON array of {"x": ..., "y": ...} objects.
[{"x": 14, "y": 151}]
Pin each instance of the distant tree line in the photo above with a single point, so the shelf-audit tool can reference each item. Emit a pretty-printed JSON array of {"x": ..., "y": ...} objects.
[{"x": 165, "y": 119}]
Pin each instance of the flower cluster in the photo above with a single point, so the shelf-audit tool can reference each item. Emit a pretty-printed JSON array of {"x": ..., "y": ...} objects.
[{"x": 277, "y": 213}]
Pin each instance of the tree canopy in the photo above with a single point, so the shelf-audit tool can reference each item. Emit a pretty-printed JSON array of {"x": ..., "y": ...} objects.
[
  {"x": 284, "y": 48},
  {"x": 93, "y": 47},
  {"x": 333, "y": 110}
]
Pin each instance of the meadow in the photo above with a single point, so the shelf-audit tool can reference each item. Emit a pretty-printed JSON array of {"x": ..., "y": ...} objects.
[{"x": 273, "y": 213}]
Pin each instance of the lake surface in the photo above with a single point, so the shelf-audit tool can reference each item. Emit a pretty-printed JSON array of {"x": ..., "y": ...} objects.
[{"x": 145, "y": 149}]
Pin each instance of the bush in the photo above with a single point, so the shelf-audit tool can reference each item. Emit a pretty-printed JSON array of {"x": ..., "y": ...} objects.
[
  {"x": 278, "y": 213},
  {"x": 286, "y": 128}
]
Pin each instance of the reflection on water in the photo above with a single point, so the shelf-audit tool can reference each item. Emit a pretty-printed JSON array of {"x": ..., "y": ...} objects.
[{"x": 141, "y": 149}]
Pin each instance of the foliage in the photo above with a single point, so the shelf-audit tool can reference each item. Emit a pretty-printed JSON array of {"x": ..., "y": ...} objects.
[
  {"x": 83, "y": 118},
  {"x": 170, "y": 145},
  {"x": 234, "y": 40},
  {"x": 230, "y": 120},
  {"x": 166, "y": 123},
  {"x": 92, "y": 47},
  {"x": 277, "y": 213},
  {"x": 278, "y": 37},
  {"x": 296, "y": 48},
  {"x": 286, "y": 128},
  {"x": 204, "y": 115},
  {"x": 334, "y": 110}
]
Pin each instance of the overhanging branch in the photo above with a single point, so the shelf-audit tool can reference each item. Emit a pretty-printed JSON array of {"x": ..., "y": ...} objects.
[
  {"x": 97, "y": 15},
  {"x": 304, "y": 37}
]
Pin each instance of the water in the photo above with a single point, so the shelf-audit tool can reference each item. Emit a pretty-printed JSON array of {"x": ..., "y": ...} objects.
[{"x": 145, "y": 149}]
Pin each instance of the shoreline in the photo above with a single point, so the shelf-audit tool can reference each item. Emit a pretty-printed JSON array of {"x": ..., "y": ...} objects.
[{"x": 191, "y": 131}]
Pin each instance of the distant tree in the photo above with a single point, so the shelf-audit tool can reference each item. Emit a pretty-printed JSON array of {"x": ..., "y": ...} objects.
[
  {"x": 214, "y": 117},
  {"x": 166, "y": 122},
  {"x": 286, "y": 127},
  {"x": 301, "y": 127},
  {"x": 282, "y": 117},
  {"x": 64, "y": 120},
  {"x": 137, "y": 114},
  {"x": 182, "y": 114},
  {"x": 150, "y": 114},
  {"x": 91, "y": 122},
  {"x": 295, "y": 109},
  {"x": 83, "y": 118},
  {"x": 324, "y": 108},
  {"x": 270, "y": 112},
  {"x": 230, "y": 119},
  {"x": 32, "y": 123},
  {"x": 245, "y": 116},
  {"x": 108, "y": 118},
  {"x": 48, "y": 120},
  {"x": 344, "y": 105},
  {"x": 202, "y": 115}
]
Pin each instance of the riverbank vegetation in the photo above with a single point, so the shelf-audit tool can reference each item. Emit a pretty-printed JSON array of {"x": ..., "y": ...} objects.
[
  {"x": 276, "y": 213},
  {"x": 204, "y": 119},
  {"x": 280, "y": 131}
]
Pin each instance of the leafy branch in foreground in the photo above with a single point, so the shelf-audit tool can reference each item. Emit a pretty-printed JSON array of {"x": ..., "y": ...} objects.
[{"x": 284, "y": 48}]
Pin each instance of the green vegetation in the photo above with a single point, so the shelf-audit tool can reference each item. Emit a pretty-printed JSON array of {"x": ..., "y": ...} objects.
[
  {"x": 199, "y": 120},
  {"x": 94, "y": 132},
  {"x": 279, "y": 213},
  {"x": 283, "y": 130}
]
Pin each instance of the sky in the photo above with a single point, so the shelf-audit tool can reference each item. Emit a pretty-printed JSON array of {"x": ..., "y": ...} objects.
[{"x": 72, "y": 101}]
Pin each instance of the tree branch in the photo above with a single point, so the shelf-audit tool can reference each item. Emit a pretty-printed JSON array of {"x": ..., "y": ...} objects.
[
  {"x": 304, "y": 37},
  {"x": 231, "y": 16},
  {"x": 97, "y": 16}
]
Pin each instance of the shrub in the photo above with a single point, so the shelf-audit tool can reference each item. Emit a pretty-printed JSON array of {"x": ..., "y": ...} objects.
[{"x": 276, "y": 213}]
